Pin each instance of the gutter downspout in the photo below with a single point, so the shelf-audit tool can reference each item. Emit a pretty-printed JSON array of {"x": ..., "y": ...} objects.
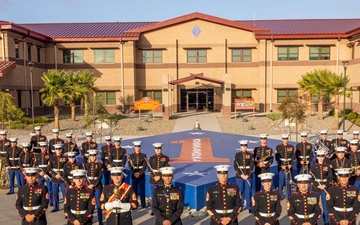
[
  {"x": 337, "y": 55},
  {"x": 271, "y": 75},
  {"x": 55, "y": 55},
  {"x": 122, "y": 73},
  {"x": 3, "y": 45}
]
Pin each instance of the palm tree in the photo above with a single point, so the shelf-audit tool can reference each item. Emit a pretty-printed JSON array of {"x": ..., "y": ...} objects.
[
  {"x": 312, "y": 83},
  {"x": 335, "y": 87},
  {"x": 88, "y": 84},
  {"x": 54, "y": 91},
  {"x": 74, "y": 90}
]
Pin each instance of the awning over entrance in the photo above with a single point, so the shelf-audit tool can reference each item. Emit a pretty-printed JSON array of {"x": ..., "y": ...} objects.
[
  {"x": 199, "y": 76},
  {"x": 6, "y": 67}
]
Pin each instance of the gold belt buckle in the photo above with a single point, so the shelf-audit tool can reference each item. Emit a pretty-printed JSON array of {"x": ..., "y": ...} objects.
[
  {"x": 167, "y": 211},
  {"x": 306, "y": 216},
  {"x": 268, "y": 215},
  {"x": 30, "y": 208},
  {"x": 77, "y": 212},
  {"x": 344, "y": 209},
  {"x": 224, "y": 211}
]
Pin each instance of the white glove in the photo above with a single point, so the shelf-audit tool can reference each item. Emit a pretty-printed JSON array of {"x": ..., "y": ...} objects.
[
  {"x": 125, "y": 207},
  {"x": 116, "y": 204},
  {"x": 109, "y": 206}
]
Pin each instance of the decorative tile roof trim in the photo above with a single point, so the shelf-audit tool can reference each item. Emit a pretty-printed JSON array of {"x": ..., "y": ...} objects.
[
  {"x": 197, "y": 15},
  {"x": 6, "y": 67},
  {"x": 194, "y": 77}
]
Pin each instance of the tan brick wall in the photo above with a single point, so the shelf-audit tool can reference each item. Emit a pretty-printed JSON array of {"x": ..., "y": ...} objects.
[{"x": 257, "y": 75}]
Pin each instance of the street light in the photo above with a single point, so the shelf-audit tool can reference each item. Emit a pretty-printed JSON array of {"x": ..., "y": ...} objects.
[
  {"x": 345, "y": 65},
  {"x": 31, "y": 65}
]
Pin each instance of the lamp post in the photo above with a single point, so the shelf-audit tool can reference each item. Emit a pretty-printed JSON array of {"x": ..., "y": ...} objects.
[
  {"x": 31, "y": 65},
  {"x": 345, "y": 65}
]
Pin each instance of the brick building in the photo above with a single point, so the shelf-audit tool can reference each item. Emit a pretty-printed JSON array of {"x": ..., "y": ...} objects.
[{"x": 192, "y": 62}]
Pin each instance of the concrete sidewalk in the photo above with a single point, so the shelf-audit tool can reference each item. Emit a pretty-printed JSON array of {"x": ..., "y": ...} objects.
[{"x": 207, "y": 120}]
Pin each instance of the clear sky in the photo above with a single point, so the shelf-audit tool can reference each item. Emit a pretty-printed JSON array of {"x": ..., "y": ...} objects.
[{"x": 49, "y": 11}]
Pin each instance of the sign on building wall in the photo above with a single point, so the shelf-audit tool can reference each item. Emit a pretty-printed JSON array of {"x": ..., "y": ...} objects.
[
  {"x": 244, "y": 103},
  {"x": 147, "y": 103}
]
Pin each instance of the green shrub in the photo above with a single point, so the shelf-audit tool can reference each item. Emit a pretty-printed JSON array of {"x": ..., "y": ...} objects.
[
  {"x": 352, "y": 116},
  {"x": 357, "y": 121},
  {"x": 17, "y": 125},
  {"x": 331, "y": 112},
  {"x": 347, "y": 111},
  {"x": 26, "y": 120},
  {"x": 64, "y": 117},
  {"x": 274, "y": 116},
  {"x": 41, "y": 119}
]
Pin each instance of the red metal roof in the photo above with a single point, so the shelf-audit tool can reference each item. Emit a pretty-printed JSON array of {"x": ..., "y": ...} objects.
[
  {"x": 6, "y": 67},
  {"x": 301, "y": 28}
]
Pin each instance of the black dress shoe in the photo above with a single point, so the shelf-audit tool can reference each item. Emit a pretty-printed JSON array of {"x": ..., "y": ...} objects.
[
  {"x": 151, "y": 214},
  {"x": 250, "y": 211},
  {"x": 51, "y": 204},
  {"x": 54, "y": 210},
  {"x": 10, "y": 193}
]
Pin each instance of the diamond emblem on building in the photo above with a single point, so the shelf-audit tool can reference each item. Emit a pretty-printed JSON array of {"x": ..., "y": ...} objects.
[{"x": 196, "y": 31}]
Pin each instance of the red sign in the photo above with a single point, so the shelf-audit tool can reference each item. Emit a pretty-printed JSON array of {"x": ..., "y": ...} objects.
[
  {"x": 146, "y": 103},
  {"x": 244, "y": 103}
]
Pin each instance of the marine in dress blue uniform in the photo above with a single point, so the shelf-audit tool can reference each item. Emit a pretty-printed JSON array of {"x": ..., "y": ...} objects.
[
  {"x": 343, "y": 200},
  {"x": 117, "y": 155},
  {"x": 94, "y": 173},
  {"x": 104, "y": 153},
  {"x": 41, "y": 161},
  {"x": 137, "y": 165},
  {"x": 285, "y": 157},
  {"x": 244, "y": 165},
  {"x": 26, "y": 160},
  {"x": 118, "y": 199},
  {"x": 304, "y": 155},
  {"x": 167, "y": 200},
  {"x": 38, "y": 137},
  {"x": 56, "y": 169},
  {"x": 87, "y": 145},
  {"x": 355, "y": 162},
  {"x": 79, "y": 203},
  {"x": 32, "y": 200},
  {"x": 4, "y": 143},
  {"x": 263, "y": 158},
  {"x": 321, "y": 180},
  {"x": 304, "y": 206},
  {"x": 223, "y": 200},
  {"x": 55, "y": 140},
  {"x": 266, "y": 203},
  {"x": 13, "y": 164}
]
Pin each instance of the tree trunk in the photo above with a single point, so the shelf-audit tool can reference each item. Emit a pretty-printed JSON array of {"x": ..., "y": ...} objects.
[
  {"x": 73, "y": 115},
  {"x": 320, "y": 106},
  {"x": 336, "y": 113},
  {"x": 56, "y": 117},
  {"x": 309, "y": 109},
  {"x": 86, "y": 104}
]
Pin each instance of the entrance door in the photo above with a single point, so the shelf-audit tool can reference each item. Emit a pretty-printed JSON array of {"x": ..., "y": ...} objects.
[
  {"x": 192, "y": 101},
  {"x": 196, "y": 100}
]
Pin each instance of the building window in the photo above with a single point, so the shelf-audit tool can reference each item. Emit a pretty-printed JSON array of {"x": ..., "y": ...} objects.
[
  {"x": 152, "y": 56},
  {"x": 17, "y": 50},
  {"x": 156, "y": 95},
  {"x": 104, "y": 56},
  {"x": 288, "y": 53},
  {"x": 320, "y": 53},
  {"x": 283, "y": 93},
  {"x": 73, "y": 56},
  {"x": 314, "y": 98},
  {"x": 241, "y": 94},
  {"x": 196, "y": 56},
  {"x": 38, "y": 54},
  {"x": 241, "y": 55},
  {"x": 106, "y": 97},
  {"x": 29, "y": 52}
]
